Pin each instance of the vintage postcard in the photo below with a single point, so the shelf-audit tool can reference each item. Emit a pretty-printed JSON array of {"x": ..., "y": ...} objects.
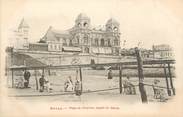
[{"x": 91, "y": 58}]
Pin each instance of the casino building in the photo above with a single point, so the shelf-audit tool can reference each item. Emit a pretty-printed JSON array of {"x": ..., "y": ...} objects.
[
  {"x": 81, "y": 44},
  {"x": 83, "y": 38}
]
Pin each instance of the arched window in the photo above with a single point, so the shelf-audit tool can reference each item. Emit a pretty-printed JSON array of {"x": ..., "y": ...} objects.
[
  {"x": 64, "y": 42},
  {"x": 115, "y": 29},
  {"x": 79, "y": 24},
  {"x": 116, "y": 42},
  {"x": 85, "y": 24},
  {"x": 109, "y": 42},
  {"x": 70, "y": 42},
  {"x": 96, "y": 42},
  {"x": 86, "y": 50},
  {"x": 102, "y": 42}
]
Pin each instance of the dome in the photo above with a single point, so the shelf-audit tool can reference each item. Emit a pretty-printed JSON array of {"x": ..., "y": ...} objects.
[
  {"x": 112, "y": 21},
  {"x": 82, "y": 16}
]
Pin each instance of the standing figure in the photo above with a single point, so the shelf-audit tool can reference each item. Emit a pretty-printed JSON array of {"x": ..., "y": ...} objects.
[
  {"x": 41, "y": 83},
  {"x": 78, "y": 88},
  {"x": 109, "y": 74},
  {"x": 47, "y": 86},
  {"x": 26, "y": 78}
]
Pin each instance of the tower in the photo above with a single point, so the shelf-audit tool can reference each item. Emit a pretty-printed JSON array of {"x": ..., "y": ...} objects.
[
  {"x": 82, "y": 21},
  {"x": 112, "y": 26},
  {"x": 113, "y": 34},
  {"x": 22, "y": 35}
]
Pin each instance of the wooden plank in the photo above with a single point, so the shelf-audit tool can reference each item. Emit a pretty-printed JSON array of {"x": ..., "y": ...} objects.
[
  {"x": 141, "y": 76},
  {"x": 171, "y": 82}
]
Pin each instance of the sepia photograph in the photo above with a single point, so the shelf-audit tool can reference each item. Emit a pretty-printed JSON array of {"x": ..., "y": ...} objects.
[{"x": 103, "y": 58}]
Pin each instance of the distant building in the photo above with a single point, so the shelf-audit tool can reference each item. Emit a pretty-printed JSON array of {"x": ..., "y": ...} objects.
[
  {"x": 21, "y": 36},
  {"x": 83, "y": 38},
  {"x": 162, "y": 51},
  {"x": 145, "y": 53}
]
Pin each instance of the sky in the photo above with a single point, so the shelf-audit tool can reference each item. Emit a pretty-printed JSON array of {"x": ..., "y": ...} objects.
[{"x": 146, "y": 21}]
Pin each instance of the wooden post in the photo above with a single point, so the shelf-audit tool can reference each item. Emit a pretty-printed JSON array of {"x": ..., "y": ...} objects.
[
  {"x": 12, "y": 78},
  {"x": 80, "y": 72},
  {"x": 171, "y": 82},
  {"x": 167, "y": 83},
  {"x": 36, "y": 79},
  {"x": 141, "y": 76},
  {"x": 12, "y": 69},
  {"x": 120, "y": 79}
]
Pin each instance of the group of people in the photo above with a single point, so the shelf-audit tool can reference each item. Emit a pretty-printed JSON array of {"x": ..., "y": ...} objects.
[
  {"x": 70, "y": 86},
  {"x": 129, "y": 88},
  {"x": 24, "y": 82},
  {"x": 44, "y": 84},
  {"x": 158, "y": 92}
]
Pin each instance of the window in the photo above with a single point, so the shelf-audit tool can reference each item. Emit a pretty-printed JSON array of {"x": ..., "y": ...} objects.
[
  {"x": 102, "y": 42},
  {"x": 70, "y": 42},
  {"x": 115, "y": 29},
  {"x": 79, "y": 24},
  {"x": 109, "y": 28},
  {"x": 86, "y": 50},
  {"x": 64, "y": 42},
  {"x": 116, "y": 42},
  {"x": 109, "y": 42},
  {"x": 77, "y": 39},
  {"x": 60, "y": 47},
  {"x": 96, "y": 42},
  {"x": 50, "y": 46},
  {"x": 85, "y": 39},
  {"x": 58, "y": 39},
  {"x": 85, "y": 24}
]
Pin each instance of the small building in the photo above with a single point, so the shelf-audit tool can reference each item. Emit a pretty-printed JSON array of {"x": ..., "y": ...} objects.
[{"x": 162, "y": 51}]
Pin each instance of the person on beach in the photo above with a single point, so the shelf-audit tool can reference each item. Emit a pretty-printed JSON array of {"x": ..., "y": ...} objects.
[
  {"x": 26, "y": 78},
  {"x": 109, "y": 75},
  {"x": 20, "y": 83},
  {"x": 129, "y": 88},
  {"x": 47, "y": 86},
  {"x": 78, "y": 88},
  {"x": 68, "y": 85},
  {"x": 158, "y": 92},
  {"x": 41, "y": 83}
]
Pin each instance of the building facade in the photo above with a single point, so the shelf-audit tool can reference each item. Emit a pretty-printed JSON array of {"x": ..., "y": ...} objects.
[
  {"x": 163, "y": 51},
  {"x": 82, "y": 37}
]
